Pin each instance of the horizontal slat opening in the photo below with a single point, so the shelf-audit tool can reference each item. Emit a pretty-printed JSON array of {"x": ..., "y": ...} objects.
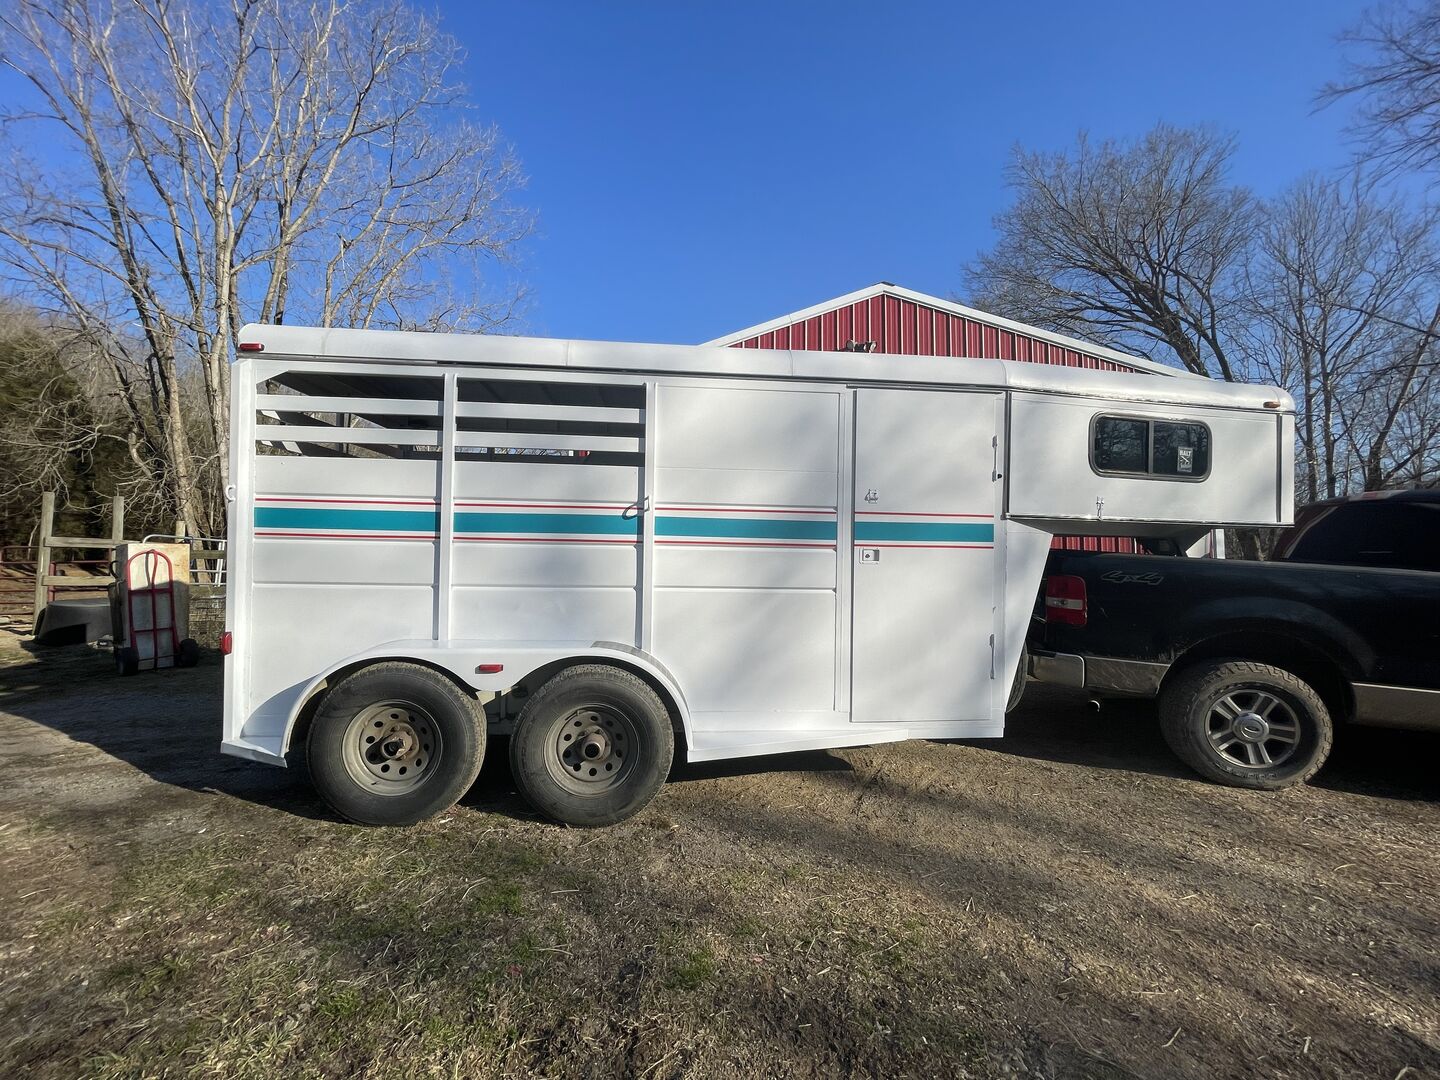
[
  {"x": 360, "y": 405},
  {"x": 578, "y": 413},
  {"x": 548, "y": 441},
  {"x": 361, "y": 436}
]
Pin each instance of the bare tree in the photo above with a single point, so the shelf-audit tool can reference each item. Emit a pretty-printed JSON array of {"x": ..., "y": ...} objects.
[
  {"x": 233, "y": 160},
  {"x": 57, "y": 433},
  {"x": 1136, "y": 243},
  {"x": 1340, "y": 288},
  {"x": 1394, "y": 71}
]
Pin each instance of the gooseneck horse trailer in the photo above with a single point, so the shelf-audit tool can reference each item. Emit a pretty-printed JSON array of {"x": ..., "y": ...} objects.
[{"x": 602, "y": 550}]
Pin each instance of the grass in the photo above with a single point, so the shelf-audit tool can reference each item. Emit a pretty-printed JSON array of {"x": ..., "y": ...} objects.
[{"x": 332, "y": 950}]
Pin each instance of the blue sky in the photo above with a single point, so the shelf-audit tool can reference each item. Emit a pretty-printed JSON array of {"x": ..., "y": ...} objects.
[{"x": 699, "y": 167}]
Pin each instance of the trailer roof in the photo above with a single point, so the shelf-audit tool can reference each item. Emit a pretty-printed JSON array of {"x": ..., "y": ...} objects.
[{"x": 410, "y": 347}]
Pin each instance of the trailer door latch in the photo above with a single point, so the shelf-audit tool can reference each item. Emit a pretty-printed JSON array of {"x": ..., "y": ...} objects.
[{"x": 869, "y": 554}]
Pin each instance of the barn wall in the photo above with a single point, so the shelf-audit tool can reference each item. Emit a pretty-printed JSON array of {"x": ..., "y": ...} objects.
[{"x": 904, "y": 328}]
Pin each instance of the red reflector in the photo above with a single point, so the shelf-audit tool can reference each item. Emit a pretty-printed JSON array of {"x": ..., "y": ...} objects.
[
  {"x": 1065, "y": 600},
  {"x": 488, "y": 669},
  {"x": 227, "y": 642},
  {"x": 251, "y": 346}
]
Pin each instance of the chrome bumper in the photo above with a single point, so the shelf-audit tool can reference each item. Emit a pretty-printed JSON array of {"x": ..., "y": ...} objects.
[{"x": 1101, "y": 673}]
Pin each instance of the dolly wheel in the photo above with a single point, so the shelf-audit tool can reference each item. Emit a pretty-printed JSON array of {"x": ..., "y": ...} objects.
[{"x": 188, "y": 654}]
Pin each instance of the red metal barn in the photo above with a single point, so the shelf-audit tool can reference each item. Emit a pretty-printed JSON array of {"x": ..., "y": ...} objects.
[{"x": 885, "y": 318}]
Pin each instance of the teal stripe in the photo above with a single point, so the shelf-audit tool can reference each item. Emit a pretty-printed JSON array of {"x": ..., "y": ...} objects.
[
  {"x": 308, "y": 517},
  {"x": 935, "y": 532},
  {"x": 750, "y": 528},
  {"x": 611, "y": 524}
]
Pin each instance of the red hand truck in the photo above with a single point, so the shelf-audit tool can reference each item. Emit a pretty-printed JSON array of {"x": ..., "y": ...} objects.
[{"x": 162, "y": 634}]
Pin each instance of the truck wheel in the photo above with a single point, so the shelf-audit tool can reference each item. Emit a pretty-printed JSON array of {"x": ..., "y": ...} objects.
[
  {"x": 1246, "y": 724},
  {"x": 592, "y": 746},
  {"x": 393, "y": 744}
]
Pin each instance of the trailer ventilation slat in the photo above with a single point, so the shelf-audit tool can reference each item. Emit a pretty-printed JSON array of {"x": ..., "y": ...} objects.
[
  {"x": 558, "y": 422},
  {"x": 312, "y": 413}
]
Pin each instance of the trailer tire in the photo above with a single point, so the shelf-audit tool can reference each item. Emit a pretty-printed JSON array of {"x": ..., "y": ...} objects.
[
  {"x": 592, "y": 746},
  {"x": 1017, "y": 689},
  {"x": 393, "y": 744},
  {"x": 1246, "y": 724}
]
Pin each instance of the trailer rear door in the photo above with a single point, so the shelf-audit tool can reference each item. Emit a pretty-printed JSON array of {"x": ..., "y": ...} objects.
[{"x": 927, "y": 579}]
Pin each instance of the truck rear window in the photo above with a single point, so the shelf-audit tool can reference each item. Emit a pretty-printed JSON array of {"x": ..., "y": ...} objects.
[
  {"x": 1396, "y": 535},
  {"x": 1137, "y": 446}
]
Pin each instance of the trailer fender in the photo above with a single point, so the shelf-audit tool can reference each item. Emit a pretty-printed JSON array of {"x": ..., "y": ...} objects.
[{"x": 479, "y": 667}]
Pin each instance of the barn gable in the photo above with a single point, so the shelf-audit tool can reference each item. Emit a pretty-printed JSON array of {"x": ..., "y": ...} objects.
[{"x": 885, "y": 318}]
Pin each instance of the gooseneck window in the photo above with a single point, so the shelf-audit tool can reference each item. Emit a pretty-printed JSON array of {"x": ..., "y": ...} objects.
[{"x": 1142, "y": 446}]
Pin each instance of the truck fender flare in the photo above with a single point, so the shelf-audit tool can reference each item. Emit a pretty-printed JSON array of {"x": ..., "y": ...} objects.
[{"x": 1307, "y": 626}]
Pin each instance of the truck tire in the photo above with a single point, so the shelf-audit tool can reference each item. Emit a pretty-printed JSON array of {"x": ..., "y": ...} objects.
[
  {"x": 393, "y": 744},
  {"x": 592, "y": 746},
  {"x": 1246, "y": 724}
]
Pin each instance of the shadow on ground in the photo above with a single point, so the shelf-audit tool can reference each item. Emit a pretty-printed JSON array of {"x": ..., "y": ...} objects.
[
  {"x": 1056, "y": 724},
  {"x": 167, "y": 725}
]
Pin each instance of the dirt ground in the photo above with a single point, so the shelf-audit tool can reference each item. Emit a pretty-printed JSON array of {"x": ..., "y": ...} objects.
[{"x": 1064, "y": 902}]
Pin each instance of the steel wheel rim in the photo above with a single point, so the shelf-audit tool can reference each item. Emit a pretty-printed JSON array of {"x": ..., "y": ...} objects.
[
  {"x": 1253, "y": 729},
  {"x": 591, "y": 749},
  {"x": 392, "y": 747}
]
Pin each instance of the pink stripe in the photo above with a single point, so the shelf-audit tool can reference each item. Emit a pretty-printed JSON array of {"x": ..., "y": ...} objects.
[
  {"x": 745, "y": 510},
  {"x": 370, "y": 502},
  {"x": 347, "y": 536},
  {"x": 745, "y": 543},
  {"x": 551, "y": 506},
  {"x": 541, "y": 540},
  {"x": 903, "y": 513},
  {"x": 866, "y": 544}
]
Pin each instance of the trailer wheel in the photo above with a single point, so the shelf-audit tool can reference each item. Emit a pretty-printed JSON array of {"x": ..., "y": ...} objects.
[
  {"x": 1246, "y": 724},
  {"x": 592, "y": 746},
  {"x": 1017, "y": 690},
  {"x": 393, "y": 744}
]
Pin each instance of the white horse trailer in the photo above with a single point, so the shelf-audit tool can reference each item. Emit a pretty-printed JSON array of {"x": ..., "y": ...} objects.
[{"x": 599, "y": 548}]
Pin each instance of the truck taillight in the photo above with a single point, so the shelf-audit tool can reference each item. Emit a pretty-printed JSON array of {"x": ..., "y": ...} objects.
[{"x": 1065, "y": 600}]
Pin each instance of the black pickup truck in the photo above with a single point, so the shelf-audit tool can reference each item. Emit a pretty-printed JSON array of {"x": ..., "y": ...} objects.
[{"x": 1255, "y": 662}]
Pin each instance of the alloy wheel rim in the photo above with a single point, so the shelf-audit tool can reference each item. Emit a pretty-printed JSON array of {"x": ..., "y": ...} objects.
[{"x": 1253, "y": 729}]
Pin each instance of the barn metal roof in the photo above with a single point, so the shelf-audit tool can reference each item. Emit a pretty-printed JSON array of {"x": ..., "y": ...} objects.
[{"x": 905, "y": 322}]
